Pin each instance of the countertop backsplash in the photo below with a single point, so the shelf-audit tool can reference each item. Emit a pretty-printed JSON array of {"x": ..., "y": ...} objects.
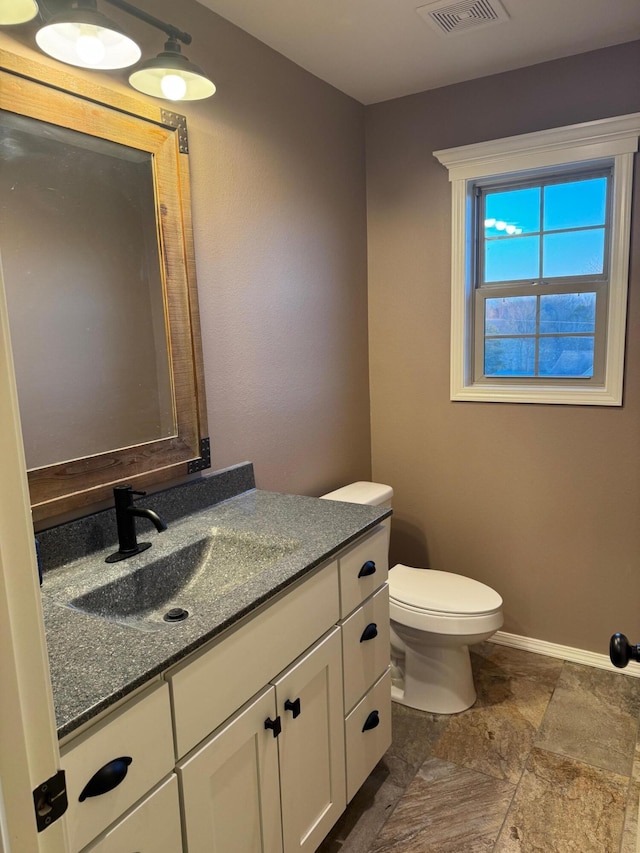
[{"x": 84, "y": 536}]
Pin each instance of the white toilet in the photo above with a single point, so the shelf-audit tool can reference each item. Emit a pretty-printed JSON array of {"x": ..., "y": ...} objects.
[{"x": 435, "y": 617}]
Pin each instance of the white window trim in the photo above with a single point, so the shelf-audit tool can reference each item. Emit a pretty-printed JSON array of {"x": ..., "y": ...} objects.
[{"x": 614, "y": 140}]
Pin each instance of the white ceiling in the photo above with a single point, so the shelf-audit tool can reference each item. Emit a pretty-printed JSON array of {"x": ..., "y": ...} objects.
[{"x": 379, "y": 49}]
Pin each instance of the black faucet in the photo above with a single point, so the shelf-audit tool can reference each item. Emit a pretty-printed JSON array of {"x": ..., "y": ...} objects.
[{"x": 126, "y": 514}]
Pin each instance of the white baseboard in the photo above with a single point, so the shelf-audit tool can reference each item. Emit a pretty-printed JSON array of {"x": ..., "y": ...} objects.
[{"x": 553, "y": 650}]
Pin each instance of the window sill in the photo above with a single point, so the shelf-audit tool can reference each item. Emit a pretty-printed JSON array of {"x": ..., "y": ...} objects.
[{"x": 527, "y": 394}]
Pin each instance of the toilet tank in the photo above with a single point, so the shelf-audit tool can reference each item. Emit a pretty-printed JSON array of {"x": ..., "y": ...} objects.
[{"x": 362, "y": 492}]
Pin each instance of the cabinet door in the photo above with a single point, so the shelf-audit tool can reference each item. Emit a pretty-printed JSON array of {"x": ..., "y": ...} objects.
[
  {"x": 153, "y": 826},
  {"x": 229, "y": 786},
  {"x": 311, "y": 746}
]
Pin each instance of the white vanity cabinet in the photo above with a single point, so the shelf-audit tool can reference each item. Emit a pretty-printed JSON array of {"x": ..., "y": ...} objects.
[
  {"x": 271, "y": 779},
  {"x": 256, "y": 742}
]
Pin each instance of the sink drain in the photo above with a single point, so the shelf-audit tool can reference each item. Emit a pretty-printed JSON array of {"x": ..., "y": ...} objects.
[{"x": 176, "y": 614}]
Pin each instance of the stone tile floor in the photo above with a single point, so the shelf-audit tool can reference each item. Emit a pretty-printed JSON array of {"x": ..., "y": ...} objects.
[{"x": 546, "y": 761}]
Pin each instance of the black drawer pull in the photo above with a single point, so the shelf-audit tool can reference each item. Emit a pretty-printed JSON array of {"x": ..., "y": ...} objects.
[
  {"x": 294, "y": 707},
  {"x": 369, "y": 568},
  {"x": 107, "y": 778},
  {"x": 274, "y": 725},
  {"x": 372, "y": 721},
  {"x": 369, "y": 633}
]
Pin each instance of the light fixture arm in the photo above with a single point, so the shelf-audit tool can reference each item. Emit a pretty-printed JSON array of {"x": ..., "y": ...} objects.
[{"x": 169, "y": 29}]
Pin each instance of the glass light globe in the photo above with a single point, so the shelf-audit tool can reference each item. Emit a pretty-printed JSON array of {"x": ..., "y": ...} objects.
[
  {"x": 173, "y": 87},
  {"x": 90, "y": 49}
]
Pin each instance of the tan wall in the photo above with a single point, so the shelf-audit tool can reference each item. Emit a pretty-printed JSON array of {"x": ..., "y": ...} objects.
[
  {"x": 278, "y": 180},
  {"x": 540, "y": 502}
]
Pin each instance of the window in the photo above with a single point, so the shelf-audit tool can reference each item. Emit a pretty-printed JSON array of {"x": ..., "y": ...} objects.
[
  {"x": 540, "y": 264},
  {"x": 541, "y": 278}
]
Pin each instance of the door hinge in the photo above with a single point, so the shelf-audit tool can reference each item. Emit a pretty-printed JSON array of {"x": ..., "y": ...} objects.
[{"x": 50, "y": 800}]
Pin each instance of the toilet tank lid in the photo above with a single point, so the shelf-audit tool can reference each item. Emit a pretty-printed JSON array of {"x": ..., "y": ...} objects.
[{"x": 362, "y": 492}]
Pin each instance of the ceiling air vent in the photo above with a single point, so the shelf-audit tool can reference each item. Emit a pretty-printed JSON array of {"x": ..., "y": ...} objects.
[{"x": 454, "y": 18}]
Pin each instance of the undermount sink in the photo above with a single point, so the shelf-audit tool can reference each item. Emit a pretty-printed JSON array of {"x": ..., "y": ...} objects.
[{"x": 153, "y": 590}]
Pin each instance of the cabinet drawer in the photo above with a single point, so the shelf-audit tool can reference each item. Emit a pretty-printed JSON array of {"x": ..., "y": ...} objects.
[
  {"x": 366, "y": 748},
  {"x": 365, "y": 646},
  {"x": 140, "y": 731},
  {"x": 207, "y": 689},
  {"x": 153, "y": 826},
  {"x": 363, "y": 568}
]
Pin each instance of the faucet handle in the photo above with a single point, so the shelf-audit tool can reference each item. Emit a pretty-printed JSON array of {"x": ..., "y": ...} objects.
[{"x": 129, "y": 489}]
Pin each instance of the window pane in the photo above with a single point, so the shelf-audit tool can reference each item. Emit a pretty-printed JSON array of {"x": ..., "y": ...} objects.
[
  {"x": 509, "y": 357},
  {"x": 567, "y": 312},
  {"x": 515, "y": 209},
  {"x": 510, "y": 315},
  {"x": 573, "y": 253},
  {"x": 575, "y": 204},
  {"x": 512, "y": 259},
  {"x": 566, "y": 356}
]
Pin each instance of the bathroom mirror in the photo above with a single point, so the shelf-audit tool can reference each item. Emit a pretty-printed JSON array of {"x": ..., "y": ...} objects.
[{"x": 96, "y": 246}]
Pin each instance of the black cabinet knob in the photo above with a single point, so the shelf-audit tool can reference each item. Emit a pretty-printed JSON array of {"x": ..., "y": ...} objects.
[
  {"x": 369, "y": 568},
  {"x": 107, "y": 778},
  {"x": 621, "y": 651},
  {"x": 274, "y": 725},
  {"x": 294, "y": 707}
]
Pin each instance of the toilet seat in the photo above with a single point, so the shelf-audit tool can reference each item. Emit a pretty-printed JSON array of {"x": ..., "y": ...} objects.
[
  {"x": 442, "y": 602},
  {"x": 441, "y": 592}
]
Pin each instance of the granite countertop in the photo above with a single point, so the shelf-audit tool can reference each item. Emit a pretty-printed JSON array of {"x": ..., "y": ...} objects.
[{"x": 96, "y": 661}]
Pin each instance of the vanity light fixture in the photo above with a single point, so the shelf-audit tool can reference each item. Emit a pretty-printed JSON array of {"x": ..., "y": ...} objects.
[
  {"x": 171, "y": 75},
  {"x": 75, "y": 32},
  {"x": 17, "y": 12},
  {"x": 84, "y": 37}
]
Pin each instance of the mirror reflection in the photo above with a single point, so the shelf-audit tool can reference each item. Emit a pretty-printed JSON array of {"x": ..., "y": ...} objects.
[{"x": 80, "y": 250}]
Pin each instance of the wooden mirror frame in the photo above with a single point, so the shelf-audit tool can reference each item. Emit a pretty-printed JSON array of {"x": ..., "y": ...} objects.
[{"x": 57, "y": 97}]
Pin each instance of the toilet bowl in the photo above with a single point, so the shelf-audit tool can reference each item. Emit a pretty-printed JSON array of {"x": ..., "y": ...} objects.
[{"x": 435, "y": 617}]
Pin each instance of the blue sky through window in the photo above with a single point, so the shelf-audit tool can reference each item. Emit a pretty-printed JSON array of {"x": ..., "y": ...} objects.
[
  {"x": 516, "y": 220},
  {"x": 575, "y": 205}
]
